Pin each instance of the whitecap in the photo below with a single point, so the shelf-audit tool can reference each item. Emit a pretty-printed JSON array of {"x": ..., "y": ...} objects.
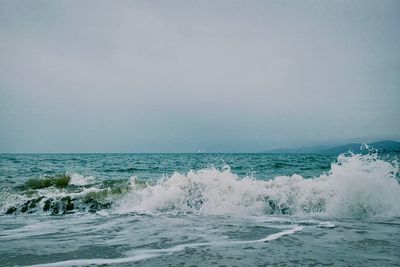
[{"x": 356, "y": 186}]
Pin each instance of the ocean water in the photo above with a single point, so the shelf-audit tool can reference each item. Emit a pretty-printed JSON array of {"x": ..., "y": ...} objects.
[{"x": 199, "y": 210}]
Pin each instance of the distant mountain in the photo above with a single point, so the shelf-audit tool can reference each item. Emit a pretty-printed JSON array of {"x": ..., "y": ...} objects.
[{"x": 381, "y": 146}]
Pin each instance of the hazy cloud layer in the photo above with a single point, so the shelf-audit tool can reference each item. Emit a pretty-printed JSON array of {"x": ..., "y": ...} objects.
[{"x": 130, "y": 76}]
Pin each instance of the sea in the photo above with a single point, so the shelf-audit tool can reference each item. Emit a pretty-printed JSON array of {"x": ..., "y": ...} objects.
[{"x": 200, "y": 209}]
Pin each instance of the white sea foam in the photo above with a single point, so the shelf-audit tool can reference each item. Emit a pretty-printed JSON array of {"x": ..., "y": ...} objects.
[
  {"x": 80, "y": 180},
  {"x": 356, "y": 186},
  {"x": 7, "y": 199},
  {"x": 143, "y": 254}
]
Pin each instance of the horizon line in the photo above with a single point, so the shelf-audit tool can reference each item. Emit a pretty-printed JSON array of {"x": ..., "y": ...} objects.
[{"x": 201, "y": 152}]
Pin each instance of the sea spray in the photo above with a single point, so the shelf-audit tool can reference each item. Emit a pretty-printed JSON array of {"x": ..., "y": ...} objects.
[
  {"x": 356, "y": 186},
  {"x": 81, "y": 180}
]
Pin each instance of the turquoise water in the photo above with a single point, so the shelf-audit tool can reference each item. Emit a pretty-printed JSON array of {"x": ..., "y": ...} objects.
[{"x": 199, "y": 210}]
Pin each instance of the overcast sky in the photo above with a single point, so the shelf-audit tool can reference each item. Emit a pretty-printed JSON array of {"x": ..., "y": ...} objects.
[{"x": 183, "y": 76}]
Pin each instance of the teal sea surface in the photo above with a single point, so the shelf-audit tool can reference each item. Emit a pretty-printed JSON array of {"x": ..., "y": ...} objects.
[{"x": 199, "y": 209}]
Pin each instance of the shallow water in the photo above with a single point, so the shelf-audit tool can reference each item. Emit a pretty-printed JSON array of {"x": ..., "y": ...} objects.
[{"x": 199, "y": 210}]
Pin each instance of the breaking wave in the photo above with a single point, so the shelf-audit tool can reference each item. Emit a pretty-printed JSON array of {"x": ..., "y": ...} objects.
[
  {"x": 61, "y": 194},
  {"x": 355, "y": 186}
]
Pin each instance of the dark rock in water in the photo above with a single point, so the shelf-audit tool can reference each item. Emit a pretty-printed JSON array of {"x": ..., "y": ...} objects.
[
  {"x": 95, "y": 205},
  {"x": 11, "y": 210},
  {"x": 33, "y": 202},
  {"x": 67, "y": 198},
  {"x": 54, "y": 208},
  {"x": 38, "y": 199},
  {"x": 63, "y": 205},
  {"x": 47, "y": 204},
  {"x": 69, "y": 205},
  {"x": 24, "y": 207},
  {"x": 27, "y": 206}
]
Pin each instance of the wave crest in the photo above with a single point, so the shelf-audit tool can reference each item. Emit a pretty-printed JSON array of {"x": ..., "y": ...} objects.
[{"x": 356, "y": 186}]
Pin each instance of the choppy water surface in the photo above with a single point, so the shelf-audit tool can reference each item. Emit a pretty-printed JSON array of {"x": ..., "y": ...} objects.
[{"x": 199, "y": 210}]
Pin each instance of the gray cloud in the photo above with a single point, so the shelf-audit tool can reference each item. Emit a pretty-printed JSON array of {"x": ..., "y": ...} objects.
[{"x": 188, "y": 75}]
